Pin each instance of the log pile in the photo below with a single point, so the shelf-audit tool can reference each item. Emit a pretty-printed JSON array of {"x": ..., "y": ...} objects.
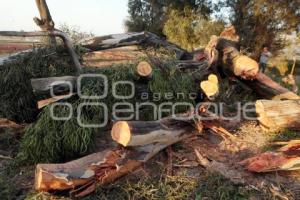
[
  {"x": 146, "y": 139},
  {"x": 139, "y": 141}
]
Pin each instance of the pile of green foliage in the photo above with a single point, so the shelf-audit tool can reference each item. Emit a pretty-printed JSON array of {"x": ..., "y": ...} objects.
[
  {"x": 48, "y": 140},
  {"x": 17, "y": 100}
]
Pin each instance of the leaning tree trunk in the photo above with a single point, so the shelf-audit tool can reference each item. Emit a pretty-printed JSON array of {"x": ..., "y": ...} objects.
[{"x": 45, "y": 22}]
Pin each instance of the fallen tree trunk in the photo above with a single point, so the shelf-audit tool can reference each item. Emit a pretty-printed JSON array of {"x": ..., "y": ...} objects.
[
  {"x": 277, "y": 115},
  {"x": 246, "y": 69},
  {"x": 59, "y": 85},
  {"x": 269, "y": 89},
  {"x": 81, "y": 176},
  {"x": 128, "y": 39}
]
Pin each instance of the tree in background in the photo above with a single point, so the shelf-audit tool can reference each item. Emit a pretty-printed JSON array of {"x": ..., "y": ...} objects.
[
  {"x": 189, "y": 29},
  {"x": 151, "y": 15},
  {"x": 262, "y": 22},
  {"x": 74, "y": 32}
]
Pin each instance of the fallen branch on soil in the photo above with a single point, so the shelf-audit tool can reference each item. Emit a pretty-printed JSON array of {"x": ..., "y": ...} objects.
[
  {"x": 81, "y": 176},
  {"x": 286, "y": 158}
]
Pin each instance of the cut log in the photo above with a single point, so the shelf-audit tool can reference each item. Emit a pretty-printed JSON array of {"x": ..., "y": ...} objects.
[
  {"x": 246, "y": 69},
  {"x": 278, "y": 115},
  {"x": 210, "y": 87},
  {"x": 108, "y": 57},
  {"x": 59, "y": 85},
  {"x": 143, "y": 133},
  {"x": 144, "y": 70},
  {"x": 81, "y": 176}
]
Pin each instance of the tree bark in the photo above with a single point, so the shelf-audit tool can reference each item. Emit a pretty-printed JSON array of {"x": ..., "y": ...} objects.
[
  {"x": 45, "y": 22},
  {"x": 269, "y": 89},
  {"x": 246, "y": 69},
  {"x": 59, "y": 85},
  {"x": 278, "y": 115},
  {"x": 82, "y": 175},
  {"x": 128, "y": 39}
]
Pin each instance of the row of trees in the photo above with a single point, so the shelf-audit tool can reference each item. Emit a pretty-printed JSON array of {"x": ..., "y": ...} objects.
[{"x": 189, "y": 23}]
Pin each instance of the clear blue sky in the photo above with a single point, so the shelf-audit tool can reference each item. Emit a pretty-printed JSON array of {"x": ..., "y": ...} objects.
[{"x": 98, "y": 16}]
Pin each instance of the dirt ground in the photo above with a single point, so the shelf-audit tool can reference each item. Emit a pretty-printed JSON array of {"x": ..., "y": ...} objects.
[{"x": 173, "y": 174}]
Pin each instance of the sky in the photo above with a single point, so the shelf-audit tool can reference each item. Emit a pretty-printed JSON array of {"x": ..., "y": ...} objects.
[{"x": 100, "y": 17}]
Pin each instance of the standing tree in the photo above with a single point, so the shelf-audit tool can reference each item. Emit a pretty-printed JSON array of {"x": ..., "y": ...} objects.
[
  {"x": 151, "y": 15},
  {"x": 262, "y": 22},
  {"x": 189, "y": 29}
]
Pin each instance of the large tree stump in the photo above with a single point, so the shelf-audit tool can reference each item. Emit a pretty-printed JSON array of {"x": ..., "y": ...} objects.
[{"x": 276, "y": 115}]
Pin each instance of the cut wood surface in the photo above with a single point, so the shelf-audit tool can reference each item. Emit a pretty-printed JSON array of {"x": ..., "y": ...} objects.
[
  {"x": 137, "y": 133},
  {"x": 277, "y": 115},
  {"x": 144, "y": 69},
  {"x": 210, "y": 87},
  {"x": 108, "y": 57}
]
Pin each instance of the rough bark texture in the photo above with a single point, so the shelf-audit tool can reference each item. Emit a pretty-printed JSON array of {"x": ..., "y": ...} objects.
[
  {"x": 59, "y": 85},
  {"x": 82, "y": 175},
  {"x": 45, "y": 22},
  {"x": 128, "y": 39},
  {"x": 276, "y": 115}
]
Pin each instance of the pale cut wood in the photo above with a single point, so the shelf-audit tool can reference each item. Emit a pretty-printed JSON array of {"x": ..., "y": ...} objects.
[
  {"x": 144, "y": 69},
  {"x": 136, "y": 133},
  {"x": 277, "y": 115},
  {"x": 109, "y": 57}
]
